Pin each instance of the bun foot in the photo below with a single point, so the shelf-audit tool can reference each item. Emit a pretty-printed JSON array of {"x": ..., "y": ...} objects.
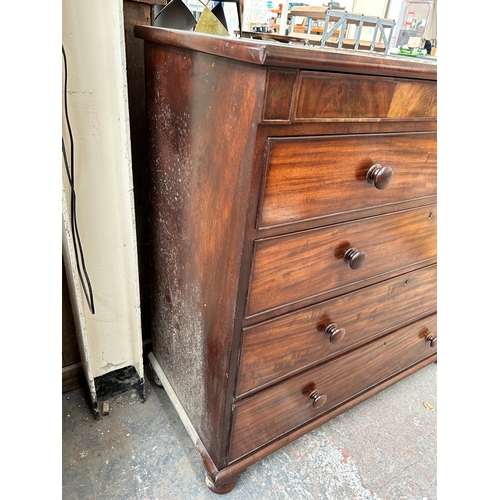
[{"x": 220, "y": 489}]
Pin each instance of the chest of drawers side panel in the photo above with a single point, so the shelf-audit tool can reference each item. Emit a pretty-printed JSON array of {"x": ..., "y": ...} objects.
[{"x": 202, "y": 142}]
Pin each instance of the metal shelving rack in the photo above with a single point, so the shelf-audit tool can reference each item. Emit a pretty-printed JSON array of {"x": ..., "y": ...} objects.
[{"x": 360, "y": 20}]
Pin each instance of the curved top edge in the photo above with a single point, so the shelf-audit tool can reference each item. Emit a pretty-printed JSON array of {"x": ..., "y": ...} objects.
[{"x": 268, "y": 53}]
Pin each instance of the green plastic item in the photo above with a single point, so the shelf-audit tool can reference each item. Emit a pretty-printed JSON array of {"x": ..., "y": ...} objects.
[{"x": 416, "y": 52}]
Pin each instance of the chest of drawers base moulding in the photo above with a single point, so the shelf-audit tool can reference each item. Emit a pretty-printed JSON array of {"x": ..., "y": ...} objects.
[
  {"x": 224, "y": 480},
  {"x": 221, "y": 287}
]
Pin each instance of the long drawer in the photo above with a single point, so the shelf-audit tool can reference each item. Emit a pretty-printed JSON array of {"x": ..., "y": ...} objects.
[
  {"x": 281, "y": 408},
  {"x": 329, "y": 97},
  {"x": 314, "y": 96},
  {"x": 274, "y": 349},
  {"x": 310, "y": 263},
  {"x": 315, "y": 177}
]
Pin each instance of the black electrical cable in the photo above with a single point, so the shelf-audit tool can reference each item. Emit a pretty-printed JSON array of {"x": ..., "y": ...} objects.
[{"x": 89, "y": 295}]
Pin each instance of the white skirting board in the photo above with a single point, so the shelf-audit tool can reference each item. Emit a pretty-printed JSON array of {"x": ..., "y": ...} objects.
[{"x": 174, "y": 399}]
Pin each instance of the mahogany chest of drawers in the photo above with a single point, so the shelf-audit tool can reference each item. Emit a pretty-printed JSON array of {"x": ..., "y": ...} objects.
[{"x": 293, "y": 218}]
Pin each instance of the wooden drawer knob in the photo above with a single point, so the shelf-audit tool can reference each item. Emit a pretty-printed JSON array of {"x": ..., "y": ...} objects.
[
  {"x": 354, "y": 258},
  {"x": 431, "y": 339},
  {"x": 379, "y": 176},
  {"x": 318, "y": 400},
  {"x": 336, "y": 334}
]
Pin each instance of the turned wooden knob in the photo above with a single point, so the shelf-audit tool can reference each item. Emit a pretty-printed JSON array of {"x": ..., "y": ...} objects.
[
  {"x": 318, "y": 400},
  {"x": 379, "y": 176},
  {"x": 354, "y": 258},
  {"x": 336, "y": 334},
  {"x": 431, "y": 339}
]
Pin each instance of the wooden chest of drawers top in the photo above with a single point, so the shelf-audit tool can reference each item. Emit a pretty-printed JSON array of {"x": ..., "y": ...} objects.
[{"x": 273, "y": 54}]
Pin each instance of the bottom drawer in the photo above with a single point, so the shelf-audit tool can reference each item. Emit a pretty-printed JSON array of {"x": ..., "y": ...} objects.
[{"x": 273, "y": 412}]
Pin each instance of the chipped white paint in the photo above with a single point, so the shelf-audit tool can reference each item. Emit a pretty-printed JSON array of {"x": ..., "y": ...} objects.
[
  {"x": 77, "y": 297},
  {"x": 93, "y": 39}
]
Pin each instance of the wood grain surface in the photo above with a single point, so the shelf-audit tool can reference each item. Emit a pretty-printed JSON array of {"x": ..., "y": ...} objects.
[
  {"x": 315, "y": 177},
  {"x": 325, "y": 96},
  {"x": 257, "y": 187},
  {"x": 279, "y": 409},
  {"x": 277, "y": 348},
  {"x": 289, "y": 268}
]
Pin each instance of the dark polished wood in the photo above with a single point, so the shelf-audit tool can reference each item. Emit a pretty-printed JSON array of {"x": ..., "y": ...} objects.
[
  {"x": 340, "y": 97},
  {"x": 235, "y": 468},
  {"x": 285, "y": 56},
  {"x": 220, "y": 488},
  {"x": 324, "y": 97},
  {"x": 261, "y": 418},
  {"x": 305, "y": 175},
  {"x": 289, "y": 268},
  {"x": 73, "y": 375},
  {"x": 274, "y": 349},
  {"x": 197, "y": 221},
  {"x": 293, "y": 254},
  {"x": 280, "y": 86}
]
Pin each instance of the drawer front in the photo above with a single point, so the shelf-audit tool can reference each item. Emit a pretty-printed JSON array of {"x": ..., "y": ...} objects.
[
  {"x": 277, "y": 348},
  {"x": 279, "y": 409},
  {"x": 287, "y": 269},
  {"x": 330, "y": 97},
  {"x": 316, "y": 177}
]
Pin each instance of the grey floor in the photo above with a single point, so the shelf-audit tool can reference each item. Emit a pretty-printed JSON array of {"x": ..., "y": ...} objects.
[{"x": 385, "y": 448}]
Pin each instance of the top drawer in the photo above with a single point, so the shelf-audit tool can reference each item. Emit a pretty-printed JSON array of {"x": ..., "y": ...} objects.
[
  {"x": 294, "y": 96},
  {"x": 324, "y": 97},
  {"x": 316, "y": 177}
]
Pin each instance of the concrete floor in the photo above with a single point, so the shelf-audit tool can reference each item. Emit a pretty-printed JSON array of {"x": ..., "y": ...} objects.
[{"x": 385, "y": 448}]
